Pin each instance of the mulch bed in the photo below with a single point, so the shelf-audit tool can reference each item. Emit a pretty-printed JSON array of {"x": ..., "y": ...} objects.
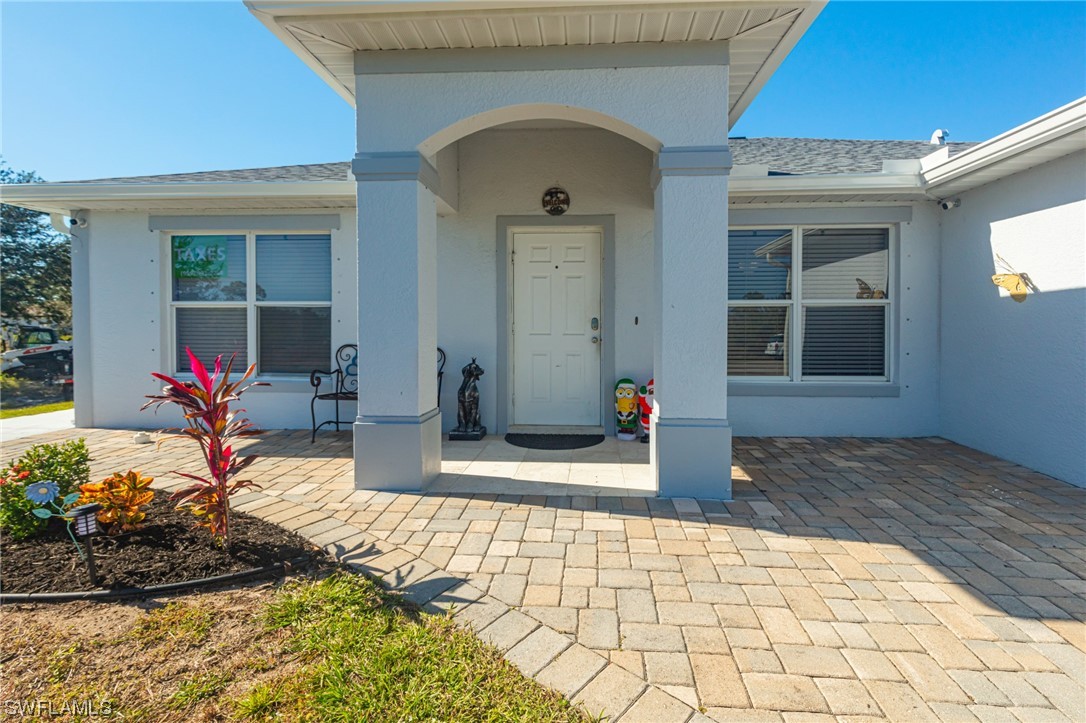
[{"x": 169, "y": 548}]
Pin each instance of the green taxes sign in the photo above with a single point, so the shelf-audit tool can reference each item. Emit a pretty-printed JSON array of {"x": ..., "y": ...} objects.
[{"x": 199, "y": 257}]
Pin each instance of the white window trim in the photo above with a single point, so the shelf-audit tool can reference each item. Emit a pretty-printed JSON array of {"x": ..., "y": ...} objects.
[
  {"x": 250, "y": 304},
  {"x": 796, "y": 305}
]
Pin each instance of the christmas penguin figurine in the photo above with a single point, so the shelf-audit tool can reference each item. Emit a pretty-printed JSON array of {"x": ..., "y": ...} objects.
[
  {"x": 626, "y": 409},
  {"x": 644, "y": 401}
]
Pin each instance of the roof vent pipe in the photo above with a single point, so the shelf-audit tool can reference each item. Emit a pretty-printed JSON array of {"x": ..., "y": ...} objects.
[{"x": 938, "y": 138}]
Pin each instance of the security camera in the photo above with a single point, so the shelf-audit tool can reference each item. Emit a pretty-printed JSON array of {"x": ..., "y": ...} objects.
[
  {"x": 948, "y": 203},
  {"x": 79, "y": 219}
]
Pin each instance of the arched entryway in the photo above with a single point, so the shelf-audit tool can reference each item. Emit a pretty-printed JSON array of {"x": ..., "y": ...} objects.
[{"x": 645, "y": 232}]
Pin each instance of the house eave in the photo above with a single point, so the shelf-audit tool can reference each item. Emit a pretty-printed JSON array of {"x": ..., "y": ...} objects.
[
  {"x": 63, "y": 198},
  {"x": 826, "y": 185},
  {"x": 325, "y": 34},
  {"x": 1042, "y": 139}
]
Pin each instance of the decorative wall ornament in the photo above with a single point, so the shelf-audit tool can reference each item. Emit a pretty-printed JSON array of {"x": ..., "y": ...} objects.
[
  {"x": 467, "y": 407},
  {"x": 1019, "y": 285},
  {"x": 626, "y": 409},
  {"x": 555, "y": 201}
]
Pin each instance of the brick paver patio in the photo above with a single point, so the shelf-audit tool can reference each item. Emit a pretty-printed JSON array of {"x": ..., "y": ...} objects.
[{"x": 851, "y": 579}]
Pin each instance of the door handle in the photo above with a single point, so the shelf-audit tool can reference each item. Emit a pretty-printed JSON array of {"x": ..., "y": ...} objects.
[{"x": 595, "y": 340}]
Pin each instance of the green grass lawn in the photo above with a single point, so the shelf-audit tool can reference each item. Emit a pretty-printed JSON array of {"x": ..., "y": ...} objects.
[
  {"x": 337, "y": 648},
  {"x": 39, "y": 409},
  {"x": 366, "y": 658}
]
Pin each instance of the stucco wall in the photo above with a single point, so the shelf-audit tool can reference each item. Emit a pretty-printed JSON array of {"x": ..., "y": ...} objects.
[
  {"x": 1014, "y": 375},
  {"x": 400, "y": 112},
  {"x": 504, "y": 173},
  {"x": 914, "y": 412},
  {"x": 129, "y": 324}
]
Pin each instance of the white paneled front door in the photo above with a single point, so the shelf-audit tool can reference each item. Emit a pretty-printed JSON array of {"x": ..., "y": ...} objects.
[{"x": 556, "y": 327}]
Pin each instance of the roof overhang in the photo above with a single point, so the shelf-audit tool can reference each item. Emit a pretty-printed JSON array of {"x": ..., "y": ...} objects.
[
  {"x": 830, "y": 188},
  {"x": 64, "y": 198},
  {"x": 1043, "y": 139},
  {"x": 326, "y": 34},
  {"x": 1053, "y": 135}
]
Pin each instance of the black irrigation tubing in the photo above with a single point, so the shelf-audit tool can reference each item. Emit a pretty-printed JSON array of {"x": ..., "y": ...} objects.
[{"x": 48, "y": 597}]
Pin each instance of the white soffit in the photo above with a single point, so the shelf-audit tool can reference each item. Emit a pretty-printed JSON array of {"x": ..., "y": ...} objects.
[{"x": 326, "y": 33}]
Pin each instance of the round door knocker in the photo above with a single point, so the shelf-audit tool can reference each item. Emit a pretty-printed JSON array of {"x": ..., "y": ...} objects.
[{"x": 555, "y": 201}]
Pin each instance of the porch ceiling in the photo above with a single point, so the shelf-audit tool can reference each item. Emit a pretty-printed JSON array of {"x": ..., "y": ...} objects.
[{"x": 327, "y": 34}]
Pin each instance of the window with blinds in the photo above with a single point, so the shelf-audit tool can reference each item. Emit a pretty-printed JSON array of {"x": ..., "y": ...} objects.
[
  {"x": 263, "y": 297},
  {"x": 834, "y": 301}
]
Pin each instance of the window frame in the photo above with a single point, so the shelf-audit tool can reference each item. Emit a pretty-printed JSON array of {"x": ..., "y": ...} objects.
[
  {"x": 250, "y": 304},
  {"x": 797, "y": 306}
]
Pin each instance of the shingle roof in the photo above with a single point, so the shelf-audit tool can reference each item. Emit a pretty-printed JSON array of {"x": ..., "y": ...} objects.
[
  {"x": 309, "y": 172},
  {"x": 824, "y": 155},
  {"x": 782, "y": 155}
]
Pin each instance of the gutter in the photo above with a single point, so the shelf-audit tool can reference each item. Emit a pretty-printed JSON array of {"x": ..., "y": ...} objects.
[
  {"x": 59, "y": 198},
  {"x": 1038, "y": 132},
  {"x": 827, "y": 185}
]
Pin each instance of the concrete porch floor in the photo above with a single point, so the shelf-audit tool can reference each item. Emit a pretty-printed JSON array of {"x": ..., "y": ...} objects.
[
  {"x": 850, "y": 580},
  {"x": 494, "y": 466}
]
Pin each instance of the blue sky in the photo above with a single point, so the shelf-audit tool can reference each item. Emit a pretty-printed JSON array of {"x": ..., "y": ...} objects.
[{"x": 107, "y": 89}]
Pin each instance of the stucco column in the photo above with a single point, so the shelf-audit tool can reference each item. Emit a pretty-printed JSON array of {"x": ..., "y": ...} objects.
[
  {"x": 83, "y": 386},
  {"x": 397, "y": 435},
  {"x": 691, "y": 442}
]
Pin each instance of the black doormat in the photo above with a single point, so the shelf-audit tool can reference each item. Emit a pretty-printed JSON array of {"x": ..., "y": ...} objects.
[{"x": 554, "y": 441}]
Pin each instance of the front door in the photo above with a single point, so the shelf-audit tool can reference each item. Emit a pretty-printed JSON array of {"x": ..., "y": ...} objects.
[{"x": 556, "y": 327}]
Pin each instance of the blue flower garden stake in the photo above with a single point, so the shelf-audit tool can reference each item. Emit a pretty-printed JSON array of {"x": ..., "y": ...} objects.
[
  {"x": 43, "y": 493},
  {"x": 46, "y": 493}
]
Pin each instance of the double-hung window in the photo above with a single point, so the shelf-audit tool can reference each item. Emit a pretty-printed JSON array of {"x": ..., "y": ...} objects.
[
  {"x": 809, "y": 304},
  {"x": 266, "y": 297}
]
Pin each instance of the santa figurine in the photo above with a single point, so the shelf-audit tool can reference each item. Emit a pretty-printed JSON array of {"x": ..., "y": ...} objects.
[{"x": 644, "y": 402}]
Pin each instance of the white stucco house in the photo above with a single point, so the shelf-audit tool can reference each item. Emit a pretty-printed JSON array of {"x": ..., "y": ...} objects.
[{"x": 772, "y": 286}]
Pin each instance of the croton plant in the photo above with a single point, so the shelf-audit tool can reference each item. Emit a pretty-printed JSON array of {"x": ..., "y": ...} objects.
[{"x": 122, "y": 497}]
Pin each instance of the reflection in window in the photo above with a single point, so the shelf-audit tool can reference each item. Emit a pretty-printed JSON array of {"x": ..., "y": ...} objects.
[
  {"x": 208, "y": 268},
  {"x": 283, "y": 321},
  {"x": 845, "y": 263},
  {"x": 758, "y": 341},
  {"x": 840, "y": 325},
  {"x": 759, "y": 265}
]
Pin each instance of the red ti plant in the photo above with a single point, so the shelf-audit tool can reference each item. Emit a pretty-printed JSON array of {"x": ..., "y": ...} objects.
[{"x": 211, "y": 422}]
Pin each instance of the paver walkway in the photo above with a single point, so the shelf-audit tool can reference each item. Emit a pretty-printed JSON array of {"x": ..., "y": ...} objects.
[{"x": 851, "y": 579}]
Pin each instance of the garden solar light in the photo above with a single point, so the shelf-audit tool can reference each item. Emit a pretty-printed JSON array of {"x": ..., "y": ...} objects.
[{"x": 85, "y": 518}]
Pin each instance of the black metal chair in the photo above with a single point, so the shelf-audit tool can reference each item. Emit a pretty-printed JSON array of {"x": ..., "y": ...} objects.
[
  {"x": 440, "y": 373},
  {"x": 343, "y": 384}
]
